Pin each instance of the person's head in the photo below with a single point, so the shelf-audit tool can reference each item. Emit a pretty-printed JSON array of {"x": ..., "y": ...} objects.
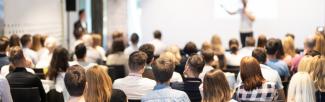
[
  {"x": 99, "y": 85},
  {"x": 4, "y": 43},
  {"x": 288, "y": 46},
  {"x": 260, "y": 55},
  {"x": 169, "y": 55},
  {"x": 309, "y": 43},
  {"x": 149, "y": 49},
  {"x": 319, "y": 72},
  {"x": 233, "y": 45},
  {"x": 190, "y": 48},
  {"x": 194, "y": 65},
  {"x": 137, "y": 61},
  {"x": 206, "y": 45},
  {"x": 59, "y": 62},
  {"x": 319, "y": 43},
  {"x": 216, "y": 87},
  {"x": 280, "y": 54},
  {"x": 157, "y": 34},
  {"x": 118, "y": 46},
  {"x": 290, "y": 35},
  {"x": 244, "y": 3},
  {"x": 75, "y": 80},
  {"x": 14, "y": 40},
  {"x": 301, "y": 88},
  {"x": 272, "y": 47},
  {"x": 16, "y": 56},
  {"x": 163, "y": 69},
  {"x": 174, "y": 49},
  {"x": 80, "y": 51},
  {"x": 82, "y": 15},
  {"x": 250, "y": 73},
  {"x": 208, "y": 55},
  {"x": 261, "y": 41},
  {"x": 97, "y": 40},
  {"x": 217, "y": 44},
  {"x": 88, "y": 40},
  {"x": 37, "y": 44},
  {"x": 134, "y": 38},
  {"x": 250, "y": 42},
  {"x": 26, "y": 41},
  {"x": 118, "y": 35},
  {"x": 51, "y": 43},
  {"x": 304, "y": 64}
]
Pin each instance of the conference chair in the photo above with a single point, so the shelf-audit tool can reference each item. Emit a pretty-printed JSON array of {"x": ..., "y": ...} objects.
[
  {"x": 232, "y": 69},
  {"x": 25, "y": 94},
  {"x": 116, "y": 71}
]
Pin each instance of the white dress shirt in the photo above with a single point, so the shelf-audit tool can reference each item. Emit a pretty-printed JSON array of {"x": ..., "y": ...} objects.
[
  {"x": 159, "y": 46},
  {"x": 132, "y": 48},
  {"x": 176, "y": 77},
  {"x": 206, "y": 69},
  {"x": 134, "y": 85},
  {"x": 30, "y": 54},
  {"x": 233, "y": 59}
]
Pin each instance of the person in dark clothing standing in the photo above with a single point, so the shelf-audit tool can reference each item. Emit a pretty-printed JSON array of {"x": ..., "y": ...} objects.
[{"x": 80, "y": 26}]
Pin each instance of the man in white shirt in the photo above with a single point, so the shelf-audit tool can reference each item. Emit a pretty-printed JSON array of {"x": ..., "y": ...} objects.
[
  {"x": 134, "y": 85},
  {"x": 248, "y": 49},
  {"x": 134, "y": 44},
  {"x": 159, "y": 45}
]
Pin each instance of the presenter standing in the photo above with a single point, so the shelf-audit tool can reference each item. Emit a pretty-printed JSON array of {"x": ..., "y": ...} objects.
[
  {"x": 80, "y": 26},
  {"x": 246, "y": 22}
]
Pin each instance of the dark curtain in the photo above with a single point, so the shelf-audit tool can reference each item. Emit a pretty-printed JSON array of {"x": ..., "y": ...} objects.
[{"x": 97, "y": 16}]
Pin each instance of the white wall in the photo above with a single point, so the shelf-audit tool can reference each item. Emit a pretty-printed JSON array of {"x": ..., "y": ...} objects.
[{"x": 193, "y": 20}]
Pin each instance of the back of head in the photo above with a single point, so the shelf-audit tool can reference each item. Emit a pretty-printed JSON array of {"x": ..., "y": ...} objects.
[
  {"x": 80, "y": 51},
  {"x": 16, "y": 55},
  {"x": 250, "y": 41},
  {"x": 216, "y": 40},
  {"x": 25, "y": 40},
  {"x": 319, "y": 43},
  {"x": 288, "y": 46},
  {"x": 59, "y": 62},
  {"x": 99, "y": 87},
  {"x": 216, "y": 87},
  {"x": 118, "y": 35},
  {"x": 37, "y": 44},
  {"x": 290, "y": 35},
  {"x": 149, "y": 49},
  {"x": 260, "y": 55},
  {"x": 196, "y": 63},
  {"x": 250, "y": 73},
  {"x": 157, "y": 34},
  {"x": 175, "y": 50},
  {"x": 318, "y": 64},
  {"x": 4, "y": 43},
  {"x": 206, "y": 45},
  {"x": 97, "y": 40},
  {"x": 14, "y": 40},
  {"x": 233, "y": 45},
  {"x": 75, "y": 80},
  {"x": 272, "y": 46},
  {"x": 137, "y": 61},
  {"x": 190, "y": 48},
  {"x": 304, "y": 64},
  {"x": 301, "y": 88},
  {"x": 163, "y": 69},
  {"x": 261, "y": 41},
  {"x": 134, "y": 38},
  {"x": 118, "y": 46},
  {"x": 208, "y": 55}
]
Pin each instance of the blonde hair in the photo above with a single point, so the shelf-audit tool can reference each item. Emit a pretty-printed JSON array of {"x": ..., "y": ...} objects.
[
  {"x": 99, "y": 85},
  {"x": 206, "y": 45},
  {"x": 216, "y": 87},
  {"x": 171, "y": 56},
  {"x": 37, "y": 44},
  {"x": 319, "y": 43},
  {"x": 217, "y": 44},
  {"x": 288, "y": 46},
  {"x": 304, "y": 64},
  {"x": 319, "y": 72},
  {"x": 301, "y": 88},
  {"x": 97, "y": 40},
  {"x": 176, "y": 52}
]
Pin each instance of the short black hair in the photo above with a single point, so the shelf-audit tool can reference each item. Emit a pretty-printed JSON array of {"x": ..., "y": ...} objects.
[
  {"x": 82, "y": 11},
  {"x": 196, "y": 63},
  {"x": 157, "y": 34},
  {"x": 190, "y": 48},
  {"x": 80, "y": 51},
  {"x": 25, "y": 39},
  {"x": 272, "y": 46},
  {"x": 134, "y": 38},
  {"x": 118, "y": 46},
  {"x": 75, "y": 80},
  {"x": 137, "y": 60},
  {"x": 4, "y": 43},
  {"x": 149, "y": 49},
  {"x": 260, "y": 55}
]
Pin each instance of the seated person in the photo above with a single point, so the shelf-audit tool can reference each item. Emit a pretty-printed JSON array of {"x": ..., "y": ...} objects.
[
  {"x": 134, "y": 85},
  {"x": 5, "y": 94},
  {"x": 163, "y": 69},
  {"x": 301, "y": 88},
  {"x": 208, "y": 56},
  {"x": 75, "y": 82},
  {"x": 149, "y": 49},
  {"x": 26, "y": 42},
  {"x": 19, "y": 77},
  {"x": 247, "y": 50},
  {"x": 81, "y": 52},
  {"x": 191, "y": 82}
]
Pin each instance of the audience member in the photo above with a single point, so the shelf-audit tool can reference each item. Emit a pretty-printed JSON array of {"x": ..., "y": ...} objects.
[
  {"x": 253, "y": 86},
  {"x": 4, "y": 44},
  {"x": 134, "y": 85},
  {"x": 206, "y": 45},
  {"x": 216, "y": 87},
  {"x": 45, "y": 58},
  {"x": 233, "y": 57},
  {"x": 273, "y": 47},
  {"x": 248, "y": 49},
  {"x": 301, "y": 88},
  {"x": 309, "y": 44},
  {"x": 149, "y": 49},
  {"x": 80, "y": 52},
  {"x": 176, "y": 77},
  {"x": 208, "y": 56},
  {"x": 57, "y": 69},
  {"x": 117, "y": 57},
  {"x": 14, "y": 40},
  {"x": 157, "y": 42},
  {"x": 319, "y": 43},
  {"x": 218, "y": 51},
  {"x": 190, "y": 86},
  {"x": 261, "y": 41},
  {"x": 19, "y": 77},
  {"x": 268, "y": 73},
  {"x": 99, "y": 87},
  {"x": 163, "y": 69},
  {"x": 5, "y": 94},
  {"x": 319, "y": 77},
  {"x": 97, "y": 44},
  {"x": 190, "y": 49},
  {"x": 75, "y": 82},
  {"x": 134, "y": 44},
  {"x": 92, "y": 56},
  {"x": 289, "y": 50},
  {"x": 37, "y": 45},
  {"x": 26, "y": 42}
]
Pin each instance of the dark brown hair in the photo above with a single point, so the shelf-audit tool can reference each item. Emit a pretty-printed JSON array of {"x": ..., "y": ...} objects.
[
  {"x": 75, "y": 80},
  {"x": 149, "y": 49},
  {"x": 14, "y": 40},
  {"x": 163, "y": 69},
  {"x": 250, "y": 73},
  {"x": 233, "y": 45},
  {"x": 59, "y": 62}
]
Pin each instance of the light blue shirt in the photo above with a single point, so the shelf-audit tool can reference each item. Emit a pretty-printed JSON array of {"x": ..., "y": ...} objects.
[
  {"x": 164, "y": 93},
  {"x": 280, "y": 66}
]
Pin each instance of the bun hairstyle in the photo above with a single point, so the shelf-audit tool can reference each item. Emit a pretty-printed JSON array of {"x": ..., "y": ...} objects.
[
  {"x": 16, "y": 54},
  {"x": 233, "y": 45}
]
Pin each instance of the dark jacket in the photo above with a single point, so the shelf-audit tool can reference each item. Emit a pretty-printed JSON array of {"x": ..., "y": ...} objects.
[{"x": 191, "y": 87}]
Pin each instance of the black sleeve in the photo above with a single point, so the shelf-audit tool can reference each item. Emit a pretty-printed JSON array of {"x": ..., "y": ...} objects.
[
  {"x": 41, "y": 89},
  {"x": 118, "y": 96}
]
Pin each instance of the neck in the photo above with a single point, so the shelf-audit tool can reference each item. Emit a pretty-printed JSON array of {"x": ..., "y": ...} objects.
[{"x": 271, "y": 57}]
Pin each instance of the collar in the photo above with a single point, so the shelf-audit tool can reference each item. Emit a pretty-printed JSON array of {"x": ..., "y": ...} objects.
[
  {"x": 135, "y": 74},
  {"x": 161, "y": 86},
  {"x": 20, "y": 69},
  {"x": 192, "y": 80}
]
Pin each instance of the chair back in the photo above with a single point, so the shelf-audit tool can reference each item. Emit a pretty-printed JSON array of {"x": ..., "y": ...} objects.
[
  {"x": 54, "y": 96},
  {"x": 116, "y": 71},
  {"x": 39, "y": 72},
  {"x": 25, "y": 94},
  {"x": 232, "y": 69}
]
